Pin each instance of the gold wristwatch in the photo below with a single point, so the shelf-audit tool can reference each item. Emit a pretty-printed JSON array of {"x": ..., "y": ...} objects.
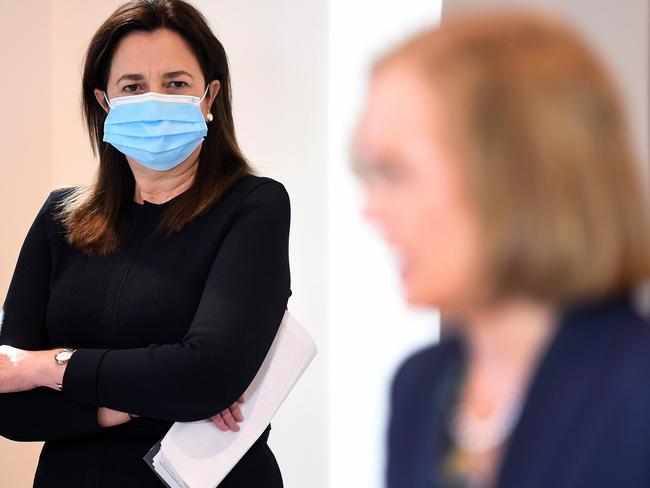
[{"x": 62, "y": 357}]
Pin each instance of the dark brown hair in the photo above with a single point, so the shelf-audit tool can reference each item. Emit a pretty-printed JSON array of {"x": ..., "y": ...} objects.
[
  {"x": 542, "y": 140},
  {"x": 94, "y": 214}
]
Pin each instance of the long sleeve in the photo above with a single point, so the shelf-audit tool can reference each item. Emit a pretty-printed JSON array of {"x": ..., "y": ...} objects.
[
  {"x": 40, "y": 414},
  {"x": 240, "y": 310}
]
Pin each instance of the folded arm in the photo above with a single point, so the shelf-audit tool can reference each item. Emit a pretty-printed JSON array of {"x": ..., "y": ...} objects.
[
  {"x": 40, "y": 413},
  {"x": 239, "y": 313}
]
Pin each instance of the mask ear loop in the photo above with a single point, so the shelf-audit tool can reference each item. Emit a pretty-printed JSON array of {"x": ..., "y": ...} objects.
[
  {"x": 209, "y": 117},
  {"x": 205, "y": 93},
  {"x": 107, "y": 100}
]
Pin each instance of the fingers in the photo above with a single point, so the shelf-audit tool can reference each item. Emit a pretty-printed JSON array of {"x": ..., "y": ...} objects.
[
  {"x": 241, "y": 399},
  {"x": 229, "y": 418},
  {"x": 219, "y": 422},
  {"x": 236, "y": 413},
  {"x": 225, "y": 421}
]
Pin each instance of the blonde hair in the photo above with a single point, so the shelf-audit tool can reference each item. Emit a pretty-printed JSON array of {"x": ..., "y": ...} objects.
[{"x": 544, "y": 147}]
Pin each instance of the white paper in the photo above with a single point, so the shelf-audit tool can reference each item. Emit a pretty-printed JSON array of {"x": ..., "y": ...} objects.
[
  {"x": 198, "y": 455},
  {"x": 166, "y": 472}
]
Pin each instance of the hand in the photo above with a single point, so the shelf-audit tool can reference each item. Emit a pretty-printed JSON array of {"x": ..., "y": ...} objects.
[
  {"x": 17, "y": 369},
  {"x": 229, "y": 418},
  {"x": 107, "y": 417}
]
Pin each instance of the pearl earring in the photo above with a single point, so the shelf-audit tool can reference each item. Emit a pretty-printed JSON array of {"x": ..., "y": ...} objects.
[{"x": 209, "y": 117}]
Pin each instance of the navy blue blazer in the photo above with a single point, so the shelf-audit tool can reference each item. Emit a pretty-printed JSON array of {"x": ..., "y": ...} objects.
[{"x": 586, "y": 417}]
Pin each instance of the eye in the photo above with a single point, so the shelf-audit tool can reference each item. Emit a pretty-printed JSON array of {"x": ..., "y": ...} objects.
[
  {"x": 131, "y": 88},
  {"x": 378, "y": 171},
  {"x": 178, "y": 84},
  {"x": 389, "y": 173}
]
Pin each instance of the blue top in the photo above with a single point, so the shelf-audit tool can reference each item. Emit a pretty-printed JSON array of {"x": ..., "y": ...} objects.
[{"x": 586, "y": 417}]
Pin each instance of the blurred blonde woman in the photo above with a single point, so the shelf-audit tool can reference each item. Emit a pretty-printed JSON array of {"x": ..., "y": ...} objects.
[{"x": 496, "y": 162}]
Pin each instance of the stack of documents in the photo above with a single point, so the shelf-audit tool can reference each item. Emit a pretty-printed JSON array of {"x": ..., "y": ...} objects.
[{"x": 197, "y": 454}]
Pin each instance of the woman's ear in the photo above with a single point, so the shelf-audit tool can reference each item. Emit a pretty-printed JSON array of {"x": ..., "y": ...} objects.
[
  {"x": 215, "y": 86},
  {"x": 99, "y": 95},
  {"x": 213, "y": 91}
]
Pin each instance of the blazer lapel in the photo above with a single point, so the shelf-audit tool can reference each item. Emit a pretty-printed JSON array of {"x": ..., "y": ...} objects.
[{"x": 559, "y": 407}]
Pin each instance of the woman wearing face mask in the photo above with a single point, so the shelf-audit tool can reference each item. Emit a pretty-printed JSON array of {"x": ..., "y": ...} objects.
[
  {"x": 153, "y": 294},
  {"x": 496, "y": 162}
]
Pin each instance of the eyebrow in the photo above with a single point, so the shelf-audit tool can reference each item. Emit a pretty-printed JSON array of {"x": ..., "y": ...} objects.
[
  {"x": 139, "y": 77},
  {"x": 130, "y": 77},
  {"x": 174, "y": 74}
]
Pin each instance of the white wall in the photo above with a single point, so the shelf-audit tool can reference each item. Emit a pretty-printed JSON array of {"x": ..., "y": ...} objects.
[
  {"x": 24, "y": 163},
  {"x": 370, "y": 330}
]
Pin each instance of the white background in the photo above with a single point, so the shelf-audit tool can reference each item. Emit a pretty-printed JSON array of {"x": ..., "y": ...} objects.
[{"x": 369, "y": 329}]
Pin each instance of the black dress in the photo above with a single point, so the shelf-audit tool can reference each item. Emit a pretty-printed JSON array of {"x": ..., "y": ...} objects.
[{"x": 171, "y": 328}]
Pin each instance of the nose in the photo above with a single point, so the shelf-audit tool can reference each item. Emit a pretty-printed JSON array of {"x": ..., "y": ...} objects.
[
  {"x": 374, "y": 210},
  {"x": 369, "y": 210}
]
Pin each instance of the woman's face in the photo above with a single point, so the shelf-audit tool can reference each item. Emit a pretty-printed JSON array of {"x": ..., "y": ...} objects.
[
  {"x": 415, "y": 192},
  {"x": 158, "y": 61}
]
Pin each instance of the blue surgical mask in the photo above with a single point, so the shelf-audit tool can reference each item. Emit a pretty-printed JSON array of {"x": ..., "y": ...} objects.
[{"x": 159, "y": 131}]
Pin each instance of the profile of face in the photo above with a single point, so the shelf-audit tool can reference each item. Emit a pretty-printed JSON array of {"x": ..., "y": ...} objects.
[
  {"x": 414, "y": 189},
  {"x": 160, "y": 61}
]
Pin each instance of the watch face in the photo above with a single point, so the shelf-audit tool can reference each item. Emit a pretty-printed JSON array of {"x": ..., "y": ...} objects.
[{"x": 63, "y": 355}]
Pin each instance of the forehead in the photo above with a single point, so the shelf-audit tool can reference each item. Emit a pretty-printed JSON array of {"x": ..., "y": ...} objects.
[
  {"x": 151, "y": 53},
  {"x": 399, "y": 107}
]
